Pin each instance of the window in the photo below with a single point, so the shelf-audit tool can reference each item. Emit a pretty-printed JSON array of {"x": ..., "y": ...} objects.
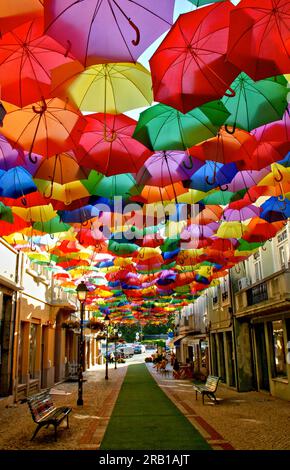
[
  {"x": 258, "y": 271},
  {"x": 282, "y": 256},
  {"x": 279, "y": 349},
  {"x": 282, "y": 236}
]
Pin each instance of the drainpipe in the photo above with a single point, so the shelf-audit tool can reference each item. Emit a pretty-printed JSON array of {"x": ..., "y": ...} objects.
[{"x": 231, "y": 311}]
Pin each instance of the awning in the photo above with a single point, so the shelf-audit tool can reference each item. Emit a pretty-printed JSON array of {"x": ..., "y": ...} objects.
[{"x": 178, "y": 339}]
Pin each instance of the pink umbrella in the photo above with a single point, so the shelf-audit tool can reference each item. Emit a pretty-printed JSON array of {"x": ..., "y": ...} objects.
[
  {"x": 247, "y": 179},
  {"x": 97, "y": 31}
]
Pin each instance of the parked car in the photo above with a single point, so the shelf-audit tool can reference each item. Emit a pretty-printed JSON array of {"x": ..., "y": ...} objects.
[{"x": 137, "y": 349}]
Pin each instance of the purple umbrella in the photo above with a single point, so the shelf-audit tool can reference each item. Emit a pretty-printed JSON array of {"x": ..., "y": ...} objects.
[
  {"x": 165, "y": 168},
  {"x": 9, "y": 157},
  {"x": 247, "y": 179},
  {"x": 232, "y": 215},
  {"x": 99, "y": 31}
]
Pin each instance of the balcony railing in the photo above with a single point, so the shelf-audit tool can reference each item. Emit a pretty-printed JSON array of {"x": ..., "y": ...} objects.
[{"x": 257, "y": 294}]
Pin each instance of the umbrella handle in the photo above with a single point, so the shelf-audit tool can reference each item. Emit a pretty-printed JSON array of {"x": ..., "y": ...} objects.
[
  {"x": 85, "y": 223},
  {"x": 264, "y": 248},
  {"x": 190, "y": 166},
  {"x": 233, "y": 130},
  {"x": 24, "y": 201},
  {"x": 282, "y": 198},
  {"x": 280, "y": 176},
  {"x": 112, "y": 138},
  {"x": 225, "y": 188},
  {"x": 232, "y": 93},
  {"x": 42, "y": 109},
  {"x": 50, "y": 193},
  {"x": 252, "y": 200},
  {"x": 51, "y": 236},
  {"x": 33, "y": 160},
  {"x": 68, "y": 49},
  {"x": 211, "y": 183},
  {"x": 136, "y": 41}
]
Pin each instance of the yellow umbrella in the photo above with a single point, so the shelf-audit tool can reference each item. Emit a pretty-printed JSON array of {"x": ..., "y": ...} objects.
[
  {"x": 231, "y": 230},
  {"x": 67, "y": 193},
  {"x": 36, "y": 214},
  {"x": 104, "y": 88}
]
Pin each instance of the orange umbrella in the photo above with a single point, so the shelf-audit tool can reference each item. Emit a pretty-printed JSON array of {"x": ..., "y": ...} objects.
[
  {"x": 61, "y": 168},
  {"x": 47, "y": 128}
]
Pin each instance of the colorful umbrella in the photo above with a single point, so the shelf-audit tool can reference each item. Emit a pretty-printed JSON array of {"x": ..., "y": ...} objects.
[
  {"x": 103, "y": 88},
  {"x": 259, "y": 37},
  {"x": 189, "y": 67},
  {"x": 16, "y": 182},
  {"x": 26, "y": 59},
  {"x": 109, "y": 146},
  {"x": 14, "y": 13},
  {"x": 97, "y": 32},
  {"x": 161, "y": 127},
  {"x": 255, "y": 103},
  {"x": 47, "y": 127}
]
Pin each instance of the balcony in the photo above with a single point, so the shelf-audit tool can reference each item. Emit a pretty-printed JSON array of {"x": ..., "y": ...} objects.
[
  {"x": 269, "y": 295},
  {"x": 61, "y": 298}
]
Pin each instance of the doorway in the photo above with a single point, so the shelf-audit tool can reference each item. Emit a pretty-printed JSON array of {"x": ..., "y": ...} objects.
[{"x": 262, "y": 360}]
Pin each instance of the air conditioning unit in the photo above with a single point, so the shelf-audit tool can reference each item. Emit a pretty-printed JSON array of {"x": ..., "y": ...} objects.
[{"x": 243, "y": 283}]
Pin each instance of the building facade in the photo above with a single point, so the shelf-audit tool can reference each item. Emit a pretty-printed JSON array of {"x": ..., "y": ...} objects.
[
  {"x": 246, "y": 322},
  {"x": 36, "y": 347}
]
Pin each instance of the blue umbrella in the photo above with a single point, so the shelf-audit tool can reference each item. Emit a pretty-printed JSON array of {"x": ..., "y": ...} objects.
[
  {"x": 16, "y": 182},
  {"x": 212, "y": 175},
  {"x": 274, "y": 209}
]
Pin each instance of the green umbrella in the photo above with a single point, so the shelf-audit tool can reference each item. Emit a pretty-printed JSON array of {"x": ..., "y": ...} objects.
[
  {"x": 122, "y": 248},
  {"x": 247, "y": 246},
  {"x": 109, "y": 186},
  {"x": 6, "y": 213},
  {"x": 52, "y": 226},
  {"x": 164, "y": 128},
  {"x": 255, "y": 103},
  {"x": 220, "y": 198}
]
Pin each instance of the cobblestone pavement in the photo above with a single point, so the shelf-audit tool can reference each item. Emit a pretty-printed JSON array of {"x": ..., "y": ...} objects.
[
  {"x": 241, "y": 421},
  {"x": 87, "y": 423}
]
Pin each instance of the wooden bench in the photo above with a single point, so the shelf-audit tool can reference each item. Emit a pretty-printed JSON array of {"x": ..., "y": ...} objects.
[
  {"x": 209, "y": 388},
  {"x": 44, "y": 412}
]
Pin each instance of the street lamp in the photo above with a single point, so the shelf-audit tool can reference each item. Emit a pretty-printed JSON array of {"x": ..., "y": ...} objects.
[
  {"x": 82, "y": 292},
  {"x": 107, "y": 323},
  {"x": 115, "y": 335}
]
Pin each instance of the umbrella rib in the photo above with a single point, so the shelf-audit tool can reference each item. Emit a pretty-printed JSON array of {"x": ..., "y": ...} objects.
[{"x": 135, "y": 85}]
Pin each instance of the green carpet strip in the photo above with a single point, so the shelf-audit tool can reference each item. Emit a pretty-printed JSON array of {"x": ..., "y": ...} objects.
[{"x": 144, "y": 418}]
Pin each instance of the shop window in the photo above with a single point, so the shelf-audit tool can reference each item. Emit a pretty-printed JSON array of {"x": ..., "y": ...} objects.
[{"x": 280, "y": 369}]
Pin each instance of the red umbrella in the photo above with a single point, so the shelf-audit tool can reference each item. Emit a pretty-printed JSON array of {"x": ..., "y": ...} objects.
[
  {"x": 189, "y": 68},
  {"x": 109, "y": 146},
  {"x": 259, "y": 38},
  {"x": 26, "y": 59},
  {"x": 259, "y": 230}
]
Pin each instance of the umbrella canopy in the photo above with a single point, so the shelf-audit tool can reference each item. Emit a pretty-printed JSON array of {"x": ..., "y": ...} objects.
[
  {"x": 62, "y": 168},
  {"x": 255, "y": 103},
  {"x": 47, "y": 127},
  {"x": 161, "y": 127},
  {"x": 97, "y": 32},
  {"x": 53, "y": 225},
  {"x": 165, "y": 168},
  {"x": 109, "y": 146},
  {"x": 189, "y": 67},
  {"x": 17, "y": 12},
  {"x": 26, "y": 59},
  {"x": 9, "y": 156},
  {"x": 259, "y": 37},
  {"x": 103, "y": 88},
  {"x": 16, "y": 182}
]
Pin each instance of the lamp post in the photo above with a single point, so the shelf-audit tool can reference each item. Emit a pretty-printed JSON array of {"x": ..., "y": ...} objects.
[
  {"x": 107, "y": 323},
  {"x": 82, "y": 291},
  {"x": 115, "y": 335}
]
